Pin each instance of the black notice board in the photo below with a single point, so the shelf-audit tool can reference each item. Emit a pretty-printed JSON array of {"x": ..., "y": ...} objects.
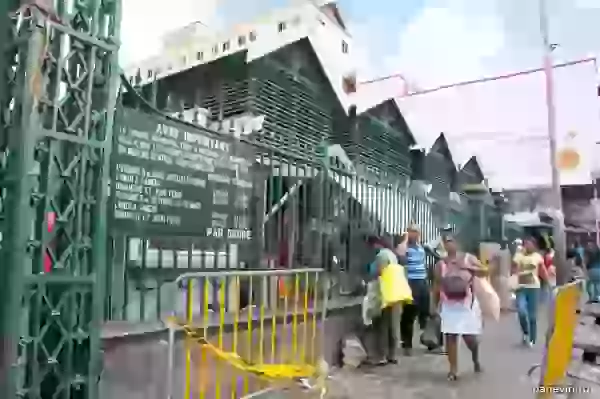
[{"x": 170, "y": 178}]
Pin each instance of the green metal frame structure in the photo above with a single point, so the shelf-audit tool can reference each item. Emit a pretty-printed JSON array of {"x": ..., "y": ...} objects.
[{"x": 59, "y": 77}]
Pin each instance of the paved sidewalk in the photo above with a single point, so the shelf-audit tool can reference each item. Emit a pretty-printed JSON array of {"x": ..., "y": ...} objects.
[{"x": 423, "y": 375}]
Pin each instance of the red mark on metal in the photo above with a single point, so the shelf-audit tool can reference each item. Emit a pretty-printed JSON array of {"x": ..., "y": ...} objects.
[{"x": 51, "y": 219}]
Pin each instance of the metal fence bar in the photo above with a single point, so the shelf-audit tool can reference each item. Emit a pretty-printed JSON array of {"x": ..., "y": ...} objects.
[
  {"x": 230, "y": 362},
  {"x": 246, "y": 273},
  {"x": 305, "y": 231},
  {"x": 309, "y": 211}
]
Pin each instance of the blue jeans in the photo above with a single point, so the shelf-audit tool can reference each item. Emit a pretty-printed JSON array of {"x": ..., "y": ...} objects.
[
  {"x": 593, "y": 284},
  {"x": 527, "y": 303},
  {"x": 545, "y": 291}
]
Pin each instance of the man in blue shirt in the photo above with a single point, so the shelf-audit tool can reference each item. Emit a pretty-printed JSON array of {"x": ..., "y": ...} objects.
[{"x": 416, "y": 273}]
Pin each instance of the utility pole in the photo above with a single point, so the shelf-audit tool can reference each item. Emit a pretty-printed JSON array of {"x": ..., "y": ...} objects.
[{"x": 563, "y": 270}]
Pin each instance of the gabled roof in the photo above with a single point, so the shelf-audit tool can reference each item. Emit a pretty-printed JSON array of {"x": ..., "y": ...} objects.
[
  {"x": 334, "y": 9},
  {"x": 395, "y": 116},
  {"x": 473, "y": 163},
  {"x": 441, "y": 146},
  {"x": 374, "y": 93},
  {"x": 288, "y": 26},
  {"x": 426, "y": 138}
]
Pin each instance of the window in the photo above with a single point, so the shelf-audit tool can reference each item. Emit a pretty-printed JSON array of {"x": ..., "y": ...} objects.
[
  {"x": 199, "y": 56},
  {"x": 184, "y": 60},
  {"x": 252, "y": 36},
  {"x": 241, "y": 40},
  {"x": 150, "y": 74},
  {"x": 344, "y": 47},
  {"x": 215, "y": 49},
  {"x": 281, "y": 27},
  {"x": 226, "y": 45}
]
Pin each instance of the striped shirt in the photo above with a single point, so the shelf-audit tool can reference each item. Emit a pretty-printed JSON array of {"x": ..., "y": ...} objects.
[{"x": 415, "y": 263}]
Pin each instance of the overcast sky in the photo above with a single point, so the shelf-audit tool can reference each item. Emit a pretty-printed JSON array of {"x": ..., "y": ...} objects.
[{"x": 432, "y": 41}]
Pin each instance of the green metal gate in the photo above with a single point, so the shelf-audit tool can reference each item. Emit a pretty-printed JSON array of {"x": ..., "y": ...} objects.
[{"x": 59, "y": 80}]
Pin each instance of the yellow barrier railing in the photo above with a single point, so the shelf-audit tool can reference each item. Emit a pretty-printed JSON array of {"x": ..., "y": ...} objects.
[
  {"x": 559, "y": 339},
  {"x": 252, "y": 330}
]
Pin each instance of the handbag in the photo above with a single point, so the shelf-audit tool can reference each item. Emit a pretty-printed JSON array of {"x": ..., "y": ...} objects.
[
  {"x": 513, "y": 282},
  {"x": 371, "y": 305},
  {"x": 394, "y": 286},
  {"x": 487, "y": 297},
  {"x": 430, "y": 337}
]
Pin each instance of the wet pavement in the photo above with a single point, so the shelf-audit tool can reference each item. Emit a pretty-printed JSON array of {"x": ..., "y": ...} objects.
[
  {"x": 420, "y": 376},
  {"x": 423, "y": 375}
]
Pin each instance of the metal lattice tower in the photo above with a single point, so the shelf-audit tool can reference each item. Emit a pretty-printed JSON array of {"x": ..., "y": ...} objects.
[{"x": 58, "y": 87}]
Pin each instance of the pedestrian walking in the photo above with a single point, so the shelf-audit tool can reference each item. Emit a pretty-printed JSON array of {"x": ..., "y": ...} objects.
[
  {"x": 416, "y": 273},
  {"x": 385, "y": 328},
  {"x": 547, "y": 276},
  {"x": 529, "y": 268},
  {"x": 592, "y": 264},
  {"x": 576, "y": 264},
  {"x": 580, "y": 250},
  {"x": 458, "y": 308}
]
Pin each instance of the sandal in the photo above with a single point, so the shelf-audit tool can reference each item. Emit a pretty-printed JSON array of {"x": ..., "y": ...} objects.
[
  {"x": 477, "y": 368},
  {"x": 375, "y": 363},
  {"x": 452, "y": 377}
]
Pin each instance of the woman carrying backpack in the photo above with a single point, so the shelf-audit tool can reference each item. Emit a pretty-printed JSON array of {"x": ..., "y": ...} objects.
[{"x": 459, "y": 310}]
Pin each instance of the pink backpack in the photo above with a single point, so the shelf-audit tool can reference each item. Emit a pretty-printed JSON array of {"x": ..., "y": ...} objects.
[{"x": 456, "y": 278}]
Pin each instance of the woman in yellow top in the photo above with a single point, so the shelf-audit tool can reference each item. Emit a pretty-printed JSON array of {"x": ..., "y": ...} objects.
[{"x": 528, "y": 265}]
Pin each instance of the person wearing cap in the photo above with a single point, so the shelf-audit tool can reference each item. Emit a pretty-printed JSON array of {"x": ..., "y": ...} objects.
[
  {"x": 417, "y": 276},
  {"x": 436, "y": 247}
]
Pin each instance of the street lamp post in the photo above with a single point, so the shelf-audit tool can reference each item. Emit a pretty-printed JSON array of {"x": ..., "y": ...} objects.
[{"x": 563, "y": 271}]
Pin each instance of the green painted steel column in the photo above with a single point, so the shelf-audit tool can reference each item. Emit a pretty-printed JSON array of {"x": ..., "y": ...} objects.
[
  {"x": 18, "y": 213},
  {"x": 53, "y": 273}
]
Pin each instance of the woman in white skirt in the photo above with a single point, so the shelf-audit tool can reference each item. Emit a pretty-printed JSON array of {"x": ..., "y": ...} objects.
[{"x": 458, "y": 308}]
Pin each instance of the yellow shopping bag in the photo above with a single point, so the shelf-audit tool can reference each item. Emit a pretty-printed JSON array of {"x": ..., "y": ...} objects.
[{"x": 394, "y": 286}]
